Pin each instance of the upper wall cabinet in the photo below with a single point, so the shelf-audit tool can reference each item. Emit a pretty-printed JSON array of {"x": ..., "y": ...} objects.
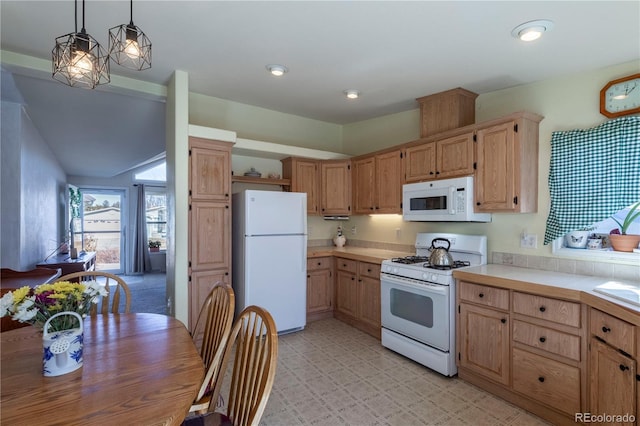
[
  {"x": 335, "y": 187},
  {"x": 446, "y": 110},
  {"x": 439, "y": 159},
  {"x": 327, "y": 184},
  {"x": 507, "y": 164},
  {"x": 377, "y": 183},
  {"x": 305, "y": 177}
]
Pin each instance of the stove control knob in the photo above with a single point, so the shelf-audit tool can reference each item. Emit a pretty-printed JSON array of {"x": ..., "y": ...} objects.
[
  {"x": 395, "y": 270},
  {"x": 434, "y": 278},
  {"x": 387, "y": 268},
  {"x": 425, "y": 276}
]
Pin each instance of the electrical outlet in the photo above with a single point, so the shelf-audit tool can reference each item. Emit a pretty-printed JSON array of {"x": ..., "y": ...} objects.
[
  {"x": 529, "y": 241},
  {"x": 354, "y": 230}
]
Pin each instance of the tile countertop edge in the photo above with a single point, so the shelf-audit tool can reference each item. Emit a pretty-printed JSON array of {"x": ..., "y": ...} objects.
[
  {"x": 364, "y": 254},
  {"x": 578, "y": 288}
]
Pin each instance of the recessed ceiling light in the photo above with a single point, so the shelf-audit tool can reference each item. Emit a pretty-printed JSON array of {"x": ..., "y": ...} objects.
[
  {"x": 352, "y": 93},
  {"x": 532, "y": 30},
  {"x": 277, "y": 70}
]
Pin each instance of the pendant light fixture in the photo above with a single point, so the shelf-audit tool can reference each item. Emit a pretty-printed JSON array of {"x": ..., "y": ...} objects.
[
  {"x": 78, "y": 59},
  {"x": 129, "y": 46}
]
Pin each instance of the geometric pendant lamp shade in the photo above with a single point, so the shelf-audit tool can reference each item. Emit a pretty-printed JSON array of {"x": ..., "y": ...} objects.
[
  {"x": 80, "y": 61},
  {"x": 130, "y": 47}
]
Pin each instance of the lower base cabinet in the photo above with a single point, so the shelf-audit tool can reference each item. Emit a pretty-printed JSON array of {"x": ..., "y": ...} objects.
[
  {"x": 357, "y": 295},
  {"x": 613, "y": 382},
  {"x": 612, "y": 368},
  {"x": 547, "y": 381},
  {"x": 319, "y": 288},
  {"x": 562, "y": 360},
  {"x": 525, "y": 348}
]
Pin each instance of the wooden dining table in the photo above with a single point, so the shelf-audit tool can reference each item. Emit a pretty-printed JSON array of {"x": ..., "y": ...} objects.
[{"x": 138, "y": 369}]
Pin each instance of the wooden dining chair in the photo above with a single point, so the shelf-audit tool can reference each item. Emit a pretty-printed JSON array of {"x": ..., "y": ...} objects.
[
  {"x": 116, "y": 287},
  {"x": 211, "y": 333},
  {"x": 253, "y": 344}
]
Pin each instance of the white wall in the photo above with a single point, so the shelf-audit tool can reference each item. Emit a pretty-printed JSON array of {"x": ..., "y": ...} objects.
[{"x": 250, "y": 122}]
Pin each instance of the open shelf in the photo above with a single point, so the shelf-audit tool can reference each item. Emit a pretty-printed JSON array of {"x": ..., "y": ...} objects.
[{"x": 260, "y": 180}]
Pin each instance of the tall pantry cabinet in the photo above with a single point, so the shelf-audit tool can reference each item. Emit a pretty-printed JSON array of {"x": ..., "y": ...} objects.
[{"x": 209, "y": 219}]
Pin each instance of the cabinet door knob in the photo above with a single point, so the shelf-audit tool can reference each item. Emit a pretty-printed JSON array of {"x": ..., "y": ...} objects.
[
  {"x": 623, "y": 367},
  {"x": 368, "y": 270},
  {"x": 481, "y": 295},
  {"x": 503, "y": 320},
  {"x": 542, "y": 309},
  {"x": 319, "y": 263},
  {"x": 606, "y": 329},
  {"x": 543, "y": 339},
  {"x": 541, "y": 379},
  {"x": 308, "y": 276},
  {"x": 478, "y": 203}
]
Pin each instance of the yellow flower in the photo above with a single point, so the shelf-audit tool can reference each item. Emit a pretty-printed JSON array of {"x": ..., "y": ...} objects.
[{"x": 20, "y": 294}]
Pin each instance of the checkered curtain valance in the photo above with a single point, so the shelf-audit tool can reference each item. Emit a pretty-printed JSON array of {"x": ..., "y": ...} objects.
[{"x": 593, "y": 174}]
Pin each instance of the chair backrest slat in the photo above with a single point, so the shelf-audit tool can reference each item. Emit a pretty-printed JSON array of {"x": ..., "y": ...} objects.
[
  {"x": 254, "y": 345},
  {"x": 111, "y": 302}
]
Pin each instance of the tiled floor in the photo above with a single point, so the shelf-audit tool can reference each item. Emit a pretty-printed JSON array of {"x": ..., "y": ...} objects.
[{"x": 333, "y": 374}]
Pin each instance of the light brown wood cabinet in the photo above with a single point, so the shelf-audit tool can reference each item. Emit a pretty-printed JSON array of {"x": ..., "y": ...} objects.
[
  {"x": 305, "y": 177},
  {"x": 525, "y": 348},
  {"x": 440, "y": 159},
  {"x": 327, "y": 184},
  {"x": 483, "y": 332},
  {"x": 506, "y": 178},
  {"x": 319, "y": 288},
  {"x": 612, "y": 366},
  {"x": 335, "y": 187},
  {"x": 209, "y": 219},
  {"x": 357, "y": 295},
  {"x": 377, "y": 183}
]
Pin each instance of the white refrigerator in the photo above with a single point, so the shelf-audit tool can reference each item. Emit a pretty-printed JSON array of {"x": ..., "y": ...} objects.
[{"x": 270, "y": 255}]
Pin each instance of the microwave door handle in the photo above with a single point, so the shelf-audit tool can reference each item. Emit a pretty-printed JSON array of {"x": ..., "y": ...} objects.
[{"x": 452, "y": 204}]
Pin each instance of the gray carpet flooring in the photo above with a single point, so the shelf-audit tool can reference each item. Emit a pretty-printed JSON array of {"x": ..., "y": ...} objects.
[{"x": 148, "y": 292}]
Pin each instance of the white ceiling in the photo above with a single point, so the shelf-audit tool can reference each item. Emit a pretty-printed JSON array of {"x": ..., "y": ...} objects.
[{"x": 392, "y": 51}]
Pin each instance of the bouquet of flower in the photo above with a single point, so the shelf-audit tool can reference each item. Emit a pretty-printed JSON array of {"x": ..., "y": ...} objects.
[{"x": 36, "y": 305}]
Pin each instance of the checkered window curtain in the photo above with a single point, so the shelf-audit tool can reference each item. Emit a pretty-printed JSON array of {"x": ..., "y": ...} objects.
[{"x": 593, "y": 174}]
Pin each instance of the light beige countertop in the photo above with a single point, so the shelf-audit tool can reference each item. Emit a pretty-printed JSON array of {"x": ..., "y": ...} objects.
[
  {"x": 364, "y": 254},
  {"x": 579, "y": 288}
]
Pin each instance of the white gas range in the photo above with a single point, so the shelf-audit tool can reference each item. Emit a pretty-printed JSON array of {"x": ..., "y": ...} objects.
[{"x": 418, "y": 299}]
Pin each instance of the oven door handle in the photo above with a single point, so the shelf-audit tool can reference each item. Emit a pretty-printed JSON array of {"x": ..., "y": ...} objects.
[{"x": 422, "y": 286}]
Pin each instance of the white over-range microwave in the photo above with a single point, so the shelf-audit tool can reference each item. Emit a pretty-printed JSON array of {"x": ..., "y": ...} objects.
[{"x": 447, "y": 200}]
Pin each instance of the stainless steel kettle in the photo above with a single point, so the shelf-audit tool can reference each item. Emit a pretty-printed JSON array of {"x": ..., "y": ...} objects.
[{"x": 439, "y": 255}]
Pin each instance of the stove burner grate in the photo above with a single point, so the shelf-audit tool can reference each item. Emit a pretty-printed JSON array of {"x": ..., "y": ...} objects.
[
  {"x": 410, "y": 259},
  {"x": 456, "y": 264}
]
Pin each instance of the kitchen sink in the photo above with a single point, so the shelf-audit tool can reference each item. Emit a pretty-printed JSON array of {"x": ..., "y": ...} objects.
[{"x": 625, "y": 292}]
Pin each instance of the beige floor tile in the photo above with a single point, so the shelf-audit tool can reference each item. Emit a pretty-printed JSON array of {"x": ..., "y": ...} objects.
[{"x": 332, "y": 374}]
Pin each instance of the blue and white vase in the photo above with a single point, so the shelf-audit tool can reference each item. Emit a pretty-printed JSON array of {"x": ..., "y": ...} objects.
[{"x": 62, "y": 349}]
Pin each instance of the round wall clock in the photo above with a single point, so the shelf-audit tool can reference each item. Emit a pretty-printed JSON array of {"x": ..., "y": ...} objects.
[{"x": 621, "y": 97}]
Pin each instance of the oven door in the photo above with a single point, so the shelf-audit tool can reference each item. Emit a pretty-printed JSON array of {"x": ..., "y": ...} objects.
[{"x": 416, "y": 309}]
